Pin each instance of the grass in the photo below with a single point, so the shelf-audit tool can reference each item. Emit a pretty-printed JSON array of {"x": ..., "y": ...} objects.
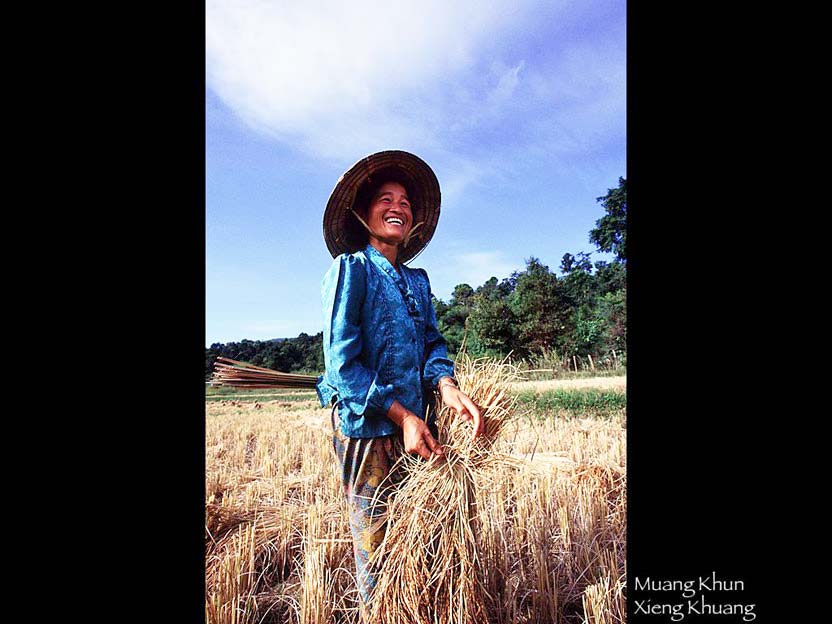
[
  {"x": 272, "y": 396},
  {"x": 550, "y": 543},
  {"x": 220, "y": 393},
  {"x": 572, "y": 403},
  {"x": 539, "y": 375}
]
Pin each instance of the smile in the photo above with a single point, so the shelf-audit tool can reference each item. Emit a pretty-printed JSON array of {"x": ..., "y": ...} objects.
[{"x": 395, "y": 220}]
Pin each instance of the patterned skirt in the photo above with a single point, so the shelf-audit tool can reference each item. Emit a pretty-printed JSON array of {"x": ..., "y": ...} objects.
[{"x": 365, "y": 465}]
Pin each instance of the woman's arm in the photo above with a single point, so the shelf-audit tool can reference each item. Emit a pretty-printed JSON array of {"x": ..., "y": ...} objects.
[{"x": 343, "y": 292}]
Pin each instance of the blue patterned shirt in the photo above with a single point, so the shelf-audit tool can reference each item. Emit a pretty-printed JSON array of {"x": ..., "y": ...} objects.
[{"x": 380, "y": 342}]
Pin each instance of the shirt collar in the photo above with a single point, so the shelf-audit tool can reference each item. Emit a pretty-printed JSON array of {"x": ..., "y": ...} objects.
[{"x": 378, "y": 258}]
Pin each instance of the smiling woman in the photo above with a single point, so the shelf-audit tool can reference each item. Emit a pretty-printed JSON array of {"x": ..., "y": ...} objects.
[
  {"x": 384, "y": 355},
  {"x": 384, "y": 209}
]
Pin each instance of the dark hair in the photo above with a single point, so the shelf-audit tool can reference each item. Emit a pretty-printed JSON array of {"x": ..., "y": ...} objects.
[{"x": 355, "y": 232}]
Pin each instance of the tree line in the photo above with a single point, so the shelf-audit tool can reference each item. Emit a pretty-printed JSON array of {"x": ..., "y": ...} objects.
[{"x": 534, "y": 314}]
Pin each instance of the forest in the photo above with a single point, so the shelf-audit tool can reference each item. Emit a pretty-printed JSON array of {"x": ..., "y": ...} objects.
[{"x": 541, "y": 317}]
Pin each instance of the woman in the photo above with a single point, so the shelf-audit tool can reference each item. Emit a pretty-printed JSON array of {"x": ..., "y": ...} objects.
[{"x": 383, "y": 353}]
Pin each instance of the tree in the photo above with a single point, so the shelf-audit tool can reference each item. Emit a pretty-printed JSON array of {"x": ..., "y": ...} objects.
[
  {"x": 610, "y": 231},
  {"x": 570, "y": 263},
  {"x": 303, "y": 354},
  {"x": 539, "y": 307},
  {"x": 588, "y": 334},
  {"x": 610, "y": 277},
  {"x": 492, "y": 322},
  {"x": 579, "y": 285},
  {"x": 462, "y": 296},
  {"x": 612, "y": 310},
  {"x": 452, "y": 317}
]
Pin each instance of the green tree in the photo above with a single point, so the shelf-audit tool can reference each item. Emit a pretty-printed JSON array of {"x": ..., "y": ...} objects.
[
  {"x": 579, "y": 285},
  {"x": 612, "y": 310},
  {"x": 540, "y": 308},
  {"x": 588, "y": 333},
  {"x": 610, "y": 231},
  {"x": 211, "y": 354},
  {"x": 452, "y": 317},
  {"x": 610, "y": 277},
  {"x": 492, "y": 322},
  {"x": 291, "y": 355}
]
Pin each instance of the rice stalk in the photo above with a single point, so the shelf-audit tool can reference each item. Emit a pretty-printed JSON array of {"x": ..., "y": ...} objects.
[
  {"x": 430, "y": 561},
  {"x": 604, "y": 602}
]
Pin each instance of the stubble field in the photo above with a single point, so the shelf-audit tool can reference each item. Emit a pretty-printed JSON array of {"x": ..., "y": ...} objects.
[{"x": 277, "y": 539}]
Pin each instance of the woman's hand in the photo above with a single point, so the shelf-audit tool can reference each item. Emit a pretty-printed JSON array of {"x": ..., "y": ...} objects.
[
  {"x": 464, "y": 407},
  {"x": 417, "y": 437}
]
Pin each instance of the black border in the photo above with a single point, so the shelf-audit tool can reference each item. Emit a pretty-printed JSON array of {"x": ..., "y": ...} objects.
[
  {"x": 147, "y": 99},
  {"x": 703, "y": 310}
]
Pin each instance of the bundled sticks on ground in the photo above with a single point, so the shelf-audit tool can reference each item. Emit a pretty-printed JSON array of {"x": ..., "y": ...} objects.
[
  {"x": 431, "y": 570},
  {"x": 228, "y": 372}
]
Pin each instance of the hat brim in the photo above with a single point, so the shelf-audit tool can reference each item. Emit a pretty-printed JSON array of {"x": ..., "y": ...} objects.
[{"x": 337, "y": 217}]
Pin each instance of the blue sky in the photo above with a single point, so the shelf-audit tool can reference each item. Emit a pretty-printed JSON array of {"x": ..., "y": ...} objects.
[{"x": 519, "y": 108}]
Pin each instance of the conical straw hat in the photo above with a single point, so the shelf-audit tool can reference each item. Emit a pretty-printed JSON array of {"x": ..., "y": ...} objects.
[{"x": 343, "y": 233}]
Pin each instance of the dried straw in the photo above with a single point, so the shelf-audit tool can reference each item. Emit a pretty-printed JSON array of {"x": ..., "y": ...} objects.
[{"x": 429, "y": 561}]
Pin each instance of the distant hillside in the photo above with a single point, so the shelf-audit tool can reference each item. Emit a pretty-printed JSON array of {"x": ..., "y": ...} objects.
[{"x": 303, "y": 354}]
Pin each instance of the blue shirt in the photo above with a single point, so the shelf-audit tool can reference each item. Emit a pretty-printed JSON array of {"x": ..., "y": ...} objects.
[{"x": 380, "y": 342}]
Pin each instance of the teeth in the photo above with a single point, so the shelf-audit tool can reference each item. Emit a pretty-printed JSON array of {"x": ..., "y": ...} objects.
[{"x": 395, "y": 220}]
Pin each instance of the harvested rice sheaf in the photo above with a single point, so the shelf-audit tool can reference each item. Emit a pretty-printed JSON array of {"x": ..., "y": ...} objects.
[{"x": 430, "y": 565}]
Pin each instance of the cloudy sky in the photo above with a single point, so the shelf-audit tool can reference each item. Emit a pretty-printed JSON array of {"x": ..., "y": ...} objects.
[{"x": 518, "y": 106}]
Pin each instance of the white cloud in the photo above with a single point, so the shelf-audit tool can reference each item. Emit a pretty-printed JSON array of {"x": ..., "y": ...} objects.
[
  {"x": 340, "y": 78},
  {"x": 507, "y": 80},
  {"x": 475, "y": 87},
  {"x": 456, "y": 174}
]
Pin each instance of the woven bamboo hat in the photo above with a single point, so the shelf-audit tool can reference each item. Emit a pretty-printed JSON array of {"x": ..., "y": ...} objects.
[{"x": 342, "y": 231}]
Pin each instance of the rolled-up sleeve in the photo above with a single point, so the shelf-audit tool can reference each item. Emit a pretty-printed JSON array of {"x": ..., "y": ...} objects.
[
  {"x": 437, "y": 365},
  {"x": 343, "y": 291}
]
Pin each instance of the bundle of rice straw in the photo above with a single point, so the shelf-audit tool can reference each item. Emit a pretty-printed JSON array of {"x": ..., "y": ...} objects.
[{"x": 429, "y": 563}]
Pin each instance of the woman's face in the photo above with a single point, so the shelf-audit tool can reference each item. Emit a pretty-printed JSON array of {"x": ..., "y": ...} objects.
[{"x": 389, "y": 214}]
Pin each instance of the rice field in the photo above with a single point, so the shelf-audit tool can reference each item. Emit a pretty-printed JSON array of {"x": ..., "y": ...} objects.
[{"x": 549, "y": 544}]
